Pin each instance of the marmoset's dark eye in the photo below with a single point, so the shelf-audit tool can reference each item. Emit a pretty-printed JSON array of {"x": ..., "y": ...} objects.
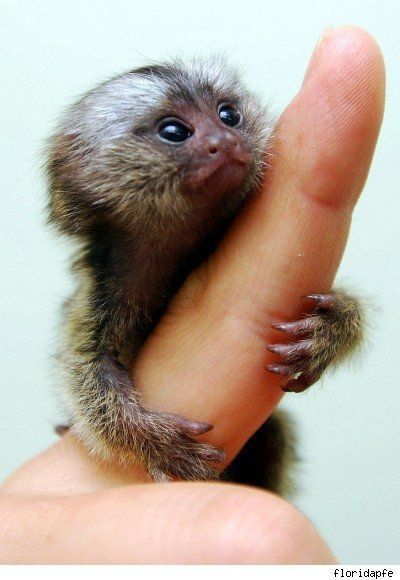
[
  {"x": 229, "y": 115},
  {"x": 173, "y": 131}
]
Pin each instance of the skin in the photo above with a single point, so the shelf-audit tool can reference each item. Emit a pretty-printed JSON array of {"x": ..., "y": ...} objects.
[{"x": 286, "y": 243}]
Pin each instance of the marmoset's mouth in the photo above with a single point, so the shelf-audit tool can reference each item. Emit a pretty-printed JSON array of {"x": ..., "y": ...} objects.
[{"x": 218, "y": 176}]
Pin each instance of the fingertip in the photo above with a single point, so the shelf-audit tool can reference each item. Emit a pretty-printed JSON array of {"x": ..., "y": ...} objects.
[
  {"x": 317, "y": 52},
  {"x": 362, "y": 39},
  {"x": 350, "y": 41},
  {"x": 330, "y": 129}
]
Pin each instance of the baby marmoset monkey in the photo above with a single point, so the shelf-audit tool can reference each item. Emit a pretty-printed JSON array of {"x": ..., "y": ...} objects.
[{"x": 146, "y": 171}]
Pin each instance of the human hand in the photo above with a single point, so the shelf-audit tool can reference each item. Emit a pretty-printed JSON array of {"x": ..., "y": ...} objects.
[{"x": 206, "y": 358}]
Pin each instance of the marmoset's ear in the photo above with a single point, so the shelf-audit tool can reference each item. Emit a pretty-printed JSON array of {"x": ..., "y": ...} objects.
[{"x": 67, "y": 208}]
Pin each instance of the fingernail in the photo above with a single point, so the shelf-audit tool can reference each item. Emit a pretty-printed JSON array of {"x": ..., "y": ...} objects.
[{"x": 317, "y": 52}]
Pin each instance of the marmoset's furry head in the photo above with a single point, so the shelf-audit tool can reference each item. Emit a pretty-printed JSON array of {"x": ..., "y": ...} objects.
[{"x": 154, "y": 143}]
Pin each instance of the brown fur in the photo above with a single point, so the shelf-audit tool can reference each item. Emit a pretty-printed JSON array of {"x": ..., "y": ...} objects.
[
  {"x": 121, "y": 192},
  {"x": 321, "y": 339},
  {"x": 267, "y": 460}
]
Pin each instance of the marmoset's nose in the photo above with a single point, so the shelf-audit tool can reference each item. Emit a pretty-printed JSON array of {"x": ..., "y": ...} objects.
[
  {"x": 221, "y": 159},
  {"x": 224, "y": 143}
]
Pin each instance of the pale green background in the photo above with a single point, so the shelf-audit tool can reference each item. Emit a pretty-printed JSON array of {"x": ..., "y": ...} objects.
[{"x": 53, "y": 51}]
